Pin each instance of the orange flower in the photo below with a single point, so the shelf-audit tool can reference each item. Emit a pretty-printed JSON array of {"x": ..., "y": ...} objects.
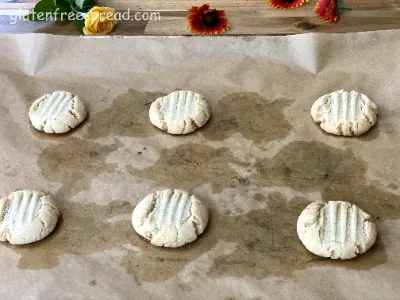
[
  {"x": 286, "y": 4},
  {"x": 203, "y": 20},
  {"x": 327, "y": 10}
]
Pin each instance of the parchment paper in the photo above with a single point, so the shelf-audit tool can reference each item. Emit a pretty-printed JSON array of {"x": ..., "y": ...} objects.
[{"x": 257, "y": 164}]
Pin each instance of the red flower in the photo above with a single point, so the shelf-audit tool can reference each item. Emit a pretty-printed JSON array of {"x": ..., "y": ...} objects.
[
  {"x": 286, "y": 4},
  {"x": 327, "y": 10},
  {"x": 202, "y": 20}
]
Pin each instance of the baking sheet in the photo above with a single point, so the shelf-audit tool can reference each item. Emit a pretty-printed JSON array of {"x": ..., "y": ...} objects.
[{"x": 257, "y": 164}]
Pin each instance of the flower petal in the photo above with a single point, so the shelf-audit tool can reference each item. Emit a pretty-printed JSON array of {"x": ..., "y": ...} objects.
[
  {"x": 286, "y": 4},
  {"x": 200, "y": 24},
  {"x": 327, "y": 10}
]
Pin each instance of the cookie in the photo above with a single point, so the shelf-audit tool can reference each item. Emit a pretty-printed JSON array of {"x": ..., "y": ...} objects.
[
  {"x": 58, "y": 112},
  {"x": 27, "y": 217},
  {"x": 170, "y": 218},
  {"x": 338, "y": 229},
  {"x": 345, "y": 113},
  {"x": 180, "y": 112}
]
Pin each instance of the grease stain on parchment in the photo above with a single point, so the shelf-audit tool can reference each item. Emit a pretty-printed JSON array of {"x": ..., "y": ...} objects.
[
  {"x": 255, "y": 117},
  {"x": 309, "y": 166},
  {"x": 266, "y": 239},
  {"x": 93, "y": 282},
  {"x": 81, "y": 231},
  {"x": 337, "y": 174},
  {"x": 190, "y": 165},
  {"x": 267, "y": 245},
  {"x": 267, "y": 242},
  {"x": 75, "y": 163},
  {"x": 127, "y": 116},
  {"x": 4, "y": 110},
  {"x": 249, "y": 38},
  {"x": 184, "y": 287}
]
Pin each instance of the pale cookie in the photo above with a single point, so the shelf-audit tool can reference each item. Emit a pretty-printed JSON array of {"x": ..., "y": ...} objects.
[
  {"x": 180, "y": 112},
  {"x": 27, "y": 217},
  {"x": 58, "y": 112},
  {"x": 336, "y": 229},
  {"x": 170, "y": 218},
  {"x": 345, "y": 113}
]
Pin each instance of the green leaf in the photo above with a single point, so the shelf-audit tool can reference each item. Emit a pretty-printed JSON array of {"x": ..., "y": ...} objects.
[
  {"x": 89, "y": 3},
  {"x": 61, "y": 12},
  {"x": 64, "y": 3},
  {"x": 62, "y": 9},
  {"x": 79, "y": 3},
  {"x": 79, "y": 25},
  {"x": 44, "y": 6},
  {"x": 43, "y": 10},
  {"x": 85, "y": 9},
  {"x": 85, "y": 3}
]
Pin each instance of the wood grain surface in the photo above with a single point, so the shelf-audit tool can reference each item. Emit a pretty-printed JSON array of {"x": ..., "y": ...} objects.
[{"x": 245, "y": 17}]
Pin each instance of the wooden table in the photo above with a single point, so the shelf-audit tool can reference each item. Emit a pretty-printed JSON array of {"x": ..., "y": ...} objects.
[{"x": 245, "y": 17}]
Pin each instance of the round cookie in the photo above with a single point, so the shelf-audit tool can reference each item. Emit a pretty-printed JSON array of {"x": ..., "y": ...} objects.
[
  {"x": 58, "y": 112},
  {"x": 337, "y": 229},
  {"x": 345, "y": 113},
  {"x": 27, "y": 217},
  {"x": 170, "y": 218},
  {"x": 180, "y": 112}
]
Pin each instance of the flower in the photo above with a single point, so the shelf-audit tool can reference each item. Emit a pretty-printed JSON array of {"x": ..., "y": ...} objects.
[
  {"x": 327, "y": 10},
  {"x": 203, "y": 20},
  {"x": 99, "y": 20},
  {"x": 286, "y": 4}
]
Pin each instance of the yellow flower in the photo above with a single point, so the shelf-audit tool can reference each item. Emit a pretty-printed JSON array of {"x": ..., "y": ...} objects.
[{"x": 99, "y": 20}]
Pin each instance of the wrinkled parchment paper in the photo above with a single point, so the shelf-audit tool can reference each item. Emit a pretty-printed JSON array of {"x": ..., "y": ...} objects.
[{"x": 257, "y": 164}]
